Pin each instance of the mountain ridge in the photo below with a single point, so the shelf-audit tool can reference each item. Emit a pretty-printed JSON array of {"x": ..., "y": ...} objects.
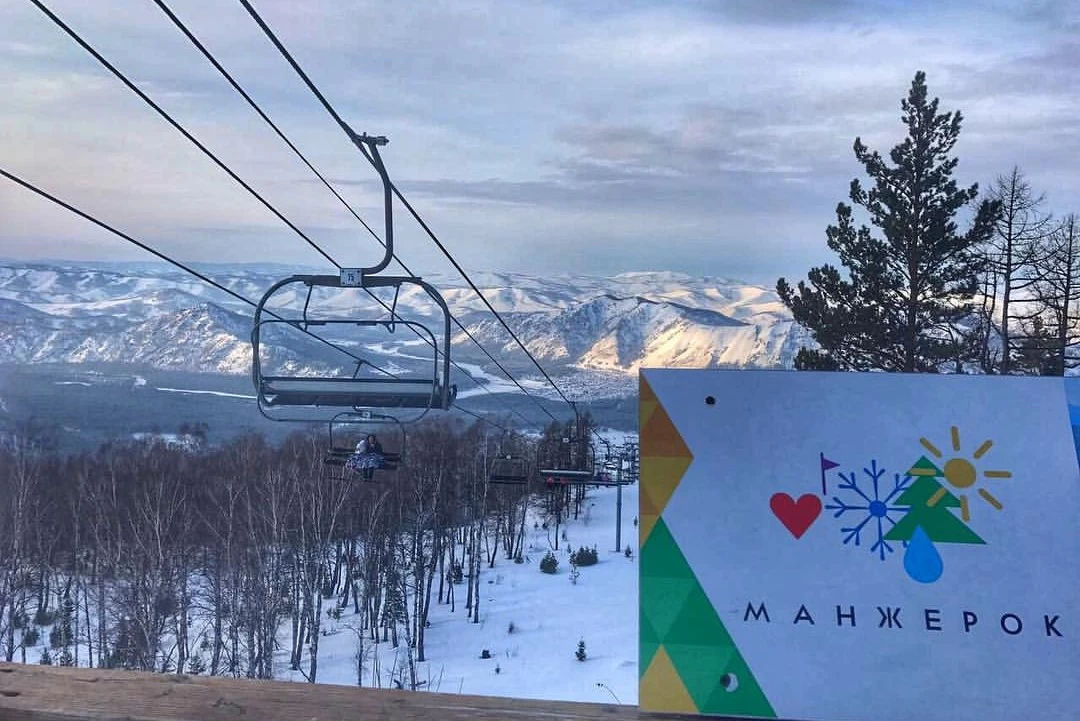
[{"x": 577, "y": 323}]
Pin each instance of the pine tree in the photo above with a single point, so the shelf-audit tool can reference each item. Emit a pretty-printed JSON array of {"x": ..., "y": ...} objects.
[
  {"x": 904, "y": 290},
  {"x": 46, "y": 657},
  {"x": 67, "y": 618},
  {"x": 580, "y": 654},
  {"x": 937, "y": 520}
]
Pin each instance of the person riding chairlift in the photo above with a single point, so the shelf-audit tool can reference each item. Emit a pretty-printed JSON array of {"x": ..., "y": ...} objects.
[{"x": 367, "y": 456}]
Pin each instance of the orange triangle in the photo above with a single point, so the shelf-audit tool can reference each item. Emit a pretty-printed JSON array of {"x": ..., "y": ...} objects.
[
  {"x": 662, "y": 689},
  {"x": 659, "y": 437},
  {"x": 646, "y": 503},
  {"x": 645, "y": 526},
  {"x": 645, "y": 391}
]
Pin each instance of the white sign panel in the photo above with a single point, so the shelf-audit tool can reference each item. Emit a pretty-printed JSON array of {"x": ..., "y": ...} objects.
[{"x": 859, "y": 547}]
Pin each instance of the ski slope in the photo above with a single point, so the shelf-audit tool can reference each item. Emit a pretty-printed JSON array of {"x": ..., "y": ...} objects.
[{"x": 550, "y": 615}]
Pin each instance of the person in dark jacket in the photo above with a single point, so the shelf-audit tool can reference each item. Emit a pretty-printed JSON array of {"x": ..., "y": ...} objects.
[{"x": 373, "y": 456}]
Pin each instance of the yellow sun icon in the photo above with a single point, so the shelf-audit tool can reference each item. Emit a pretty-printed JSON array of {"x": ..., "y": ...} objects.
[{"x": 961, "y": 473}]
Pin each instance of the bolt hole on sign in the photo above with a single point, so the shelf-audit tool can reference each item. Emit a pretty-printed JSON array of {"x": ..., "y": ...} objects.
[{"x": 859, "y": 547}]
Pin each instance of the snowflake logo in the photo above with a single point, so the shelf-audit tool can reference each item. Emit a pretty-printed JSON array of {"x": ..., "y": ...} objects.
[{"x": 872, "y": 508}]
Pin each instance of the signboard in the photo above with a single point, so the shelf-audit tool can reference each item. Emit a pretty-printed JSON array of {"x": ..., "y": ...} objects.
[
  {"x": 859, "y": 547},
  {"x": 351, "y": 277}
]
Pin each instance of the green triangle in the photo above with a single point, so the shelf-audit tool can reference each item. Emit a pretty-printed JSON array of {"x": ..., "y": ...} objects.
[
  {"x": 662, "y": 599},
  {"x": 700, "y": 666},
  {"x": 646, "y": 632},
  {"x": 661, "y": 557},
  {"x": 697, "y": 623},
  {"x": 746, "y": 700},
  {"x": 675, "y": 609}
]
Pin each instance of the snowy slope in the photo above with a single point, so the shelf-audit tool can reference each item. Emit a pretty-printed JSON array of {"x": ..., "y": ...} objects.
[{"x": 550, "y": 616}]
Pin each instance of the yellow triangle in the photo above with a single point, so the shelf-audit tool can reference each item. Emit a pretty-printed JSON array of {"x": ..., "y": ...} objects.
[
  {"x": 645, "y": 526},
  {"x": 656, "y": 493},
  {"x": 661, "y": 688},
  {"x": 645, "y": 411},
  {"x": 665, "y": 466}
]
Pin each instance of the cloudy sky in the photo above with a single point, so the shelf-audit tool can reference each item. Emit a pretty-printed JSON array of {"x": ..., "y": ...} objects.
[{"x": 707, "y": 137}]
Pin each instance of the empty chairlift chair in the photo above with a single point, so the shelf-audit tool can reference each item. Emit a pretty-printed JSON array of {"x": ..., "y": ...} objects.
[
  {"x": 574, "y": 463},
  {"x": 295, "y": 397},
  {"x": 509, "y": 470}
]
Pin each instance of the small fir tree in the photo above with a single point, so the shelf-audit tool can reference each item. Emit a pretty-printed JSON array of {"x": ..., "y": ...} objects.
[
  {"x": 196, "y": 665},
  {"x": 549, "y": 564},
  {"x": 65, "y": 658}
]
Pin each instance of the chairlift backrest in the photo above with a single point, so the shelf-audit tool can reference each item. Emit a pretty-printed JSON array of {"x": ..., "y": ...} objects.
[
  {"x": 331, "y": 392},
  {"x": 509, "y": 470},
  {"x": 341, "y": 441}
]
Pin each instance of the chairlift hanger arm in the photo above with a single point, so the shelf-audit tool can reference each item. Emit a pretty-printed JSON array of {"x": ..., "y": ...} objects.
[{"x": 369, "y": 146}]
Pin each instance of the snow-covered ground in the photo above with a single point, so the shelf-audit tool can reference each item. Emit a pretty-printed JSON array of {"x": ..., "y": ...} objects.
[{"x": 549, "y": 613}]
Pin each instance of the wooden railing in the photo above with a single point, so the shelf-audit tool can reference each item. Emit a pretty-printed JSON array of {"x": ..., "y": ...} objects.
[{"x": 40, "y": 693}]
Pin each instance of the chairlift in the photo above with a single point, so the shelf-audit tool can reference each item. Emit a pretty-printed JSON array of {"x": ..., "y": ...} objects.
[
  {"x": 313, "y": 392},
  {"x": 342, "y": 452},
  {"x": 509, "y": 470},
  {"x": 575, "y": 463},
  {"x": 313, "y": 396}
]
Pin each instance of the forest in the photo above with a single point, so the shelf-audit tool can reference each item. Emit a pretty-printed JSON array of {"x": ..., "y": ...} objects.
[{"x": 198, "y": 559}]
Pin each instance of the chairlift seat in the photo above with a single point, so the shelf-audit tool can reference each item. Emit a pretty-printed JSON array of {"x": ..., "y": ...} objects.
[
  {"x": 562, "y": 475},
  {"x": 340, "y": 458},
  {"x": 352, "y": 392}
]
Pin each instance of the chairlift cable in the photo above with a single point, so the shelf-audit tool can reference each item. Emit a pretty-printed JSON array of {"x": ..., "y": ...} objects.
[
  {"x": 168, "y": 118},
  {"x": 186, "y": 268},
  {"x": 183, "y": 131},
  {"x": 128, "y": 83},
  {"x": 481, "y": 418},
  {"x": 165, "y": 115},
  {"x": 255, "y": 106},
  {"x": 352, "y": 135}
]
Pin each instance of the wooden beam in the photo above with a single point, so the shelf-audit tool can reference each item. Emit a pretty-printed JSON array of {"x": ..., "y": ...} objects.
[{"x": 47, "y": 693}]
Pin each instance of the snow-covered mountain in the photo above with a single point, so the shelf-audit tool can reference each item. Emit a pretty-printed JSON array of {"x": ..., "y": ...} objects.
[{"x": 577, "y": 324}]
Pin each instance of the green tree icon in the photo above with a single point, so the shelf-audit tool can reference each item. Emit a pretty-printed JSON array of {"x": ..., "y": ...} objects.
[{"x": 937, "y": 520}]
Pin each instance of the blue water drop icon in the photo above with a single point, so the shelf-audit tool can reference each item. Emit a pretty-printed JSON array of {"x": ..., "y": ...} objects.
[{"x": 922, "y": 560}]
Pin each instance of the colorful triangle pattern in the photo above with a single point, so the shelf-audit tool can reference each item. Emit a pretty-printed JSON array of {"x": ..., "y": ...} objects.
[
  {"x": 664, "y": 459},
  {"x": 688, "y": 661}
]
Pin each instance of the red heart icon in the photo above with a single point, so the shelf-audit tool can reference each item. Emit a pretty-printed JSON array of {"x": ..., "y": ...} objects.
[{"x": 797, "y": 516}]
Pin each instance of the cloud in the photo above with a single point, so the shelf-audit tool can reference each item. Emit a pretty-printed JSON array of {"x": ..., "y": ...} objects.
[{"x": 708, "y": 137}]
